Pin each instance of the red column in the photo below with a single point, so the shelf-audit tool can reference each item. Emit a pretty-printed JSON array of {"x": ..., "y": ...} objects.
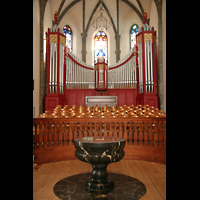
[
  {"x": 137, "y": 69},
  {"x": 64, "y": 84},
  {"x": 143, "y": 62},
  {"x": 58, "y": 61},
  {"x": 48, "y": 60}
]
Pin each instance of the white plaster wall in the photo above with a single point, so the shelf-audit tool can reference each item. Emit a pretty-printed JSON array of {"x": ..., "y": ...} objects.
[
  {"x": 126, "y": 14},
  {"x": 164, "y": 50},
  {"x": 36, "y": 55},
  {"x": 47, "y": 18},
  {"x": 73, "y": 18},
  {"x": 153, "y": 16}
]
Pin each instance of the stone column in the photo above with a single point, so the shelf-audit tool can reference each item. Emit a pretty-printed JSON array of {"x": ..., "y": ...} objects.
[
  {"x": 84, "y": 52},
  {"x": 160, "y": 57},
  {"x": 42, "y": 4},
  {"x": 118, "y": 51}
]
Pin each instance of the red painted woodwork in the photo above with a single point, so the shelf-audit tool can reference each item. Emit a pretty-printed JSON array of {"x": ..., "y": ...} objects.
[
  {"x": 150, "y": 99},
  {"x": 101, "y": 65},
  {"x": 51, "y": 100},
  {"x": 77, "y": 96}
]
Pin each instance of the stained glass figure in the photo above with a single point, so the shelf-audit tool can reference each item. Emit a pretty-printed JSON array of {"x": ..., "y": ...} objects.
[
  {"x": 100, "y": 45},
  {"x": 133, "y": 31},
  {"x": 68, "y": 32}
]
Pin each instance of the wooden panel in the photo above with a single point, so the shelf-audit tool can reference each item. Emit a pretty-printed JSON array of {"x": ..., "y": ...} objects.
[
  {"x": 80, "y": 97},
  {"x": 122, "y": 98},
  {"x": 71, "y": 98},
  {"x": 130, "y": 98}
]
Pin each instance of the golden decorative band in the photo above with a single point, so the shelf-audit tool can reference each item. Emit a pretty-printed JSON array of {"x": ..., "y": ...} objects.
[
  {"x": 53, "y": 38},
  {"x": 147, "y": 37},
  {"x": 139, "y": 39},
  {"x": 62, "y": 40}
]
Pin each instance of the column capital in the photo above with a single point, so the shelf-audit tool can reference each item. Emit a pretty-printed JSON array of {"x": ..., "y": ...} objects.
[
  {"x": 117, "y": 36},
  {"x": 84, "y": 34}
]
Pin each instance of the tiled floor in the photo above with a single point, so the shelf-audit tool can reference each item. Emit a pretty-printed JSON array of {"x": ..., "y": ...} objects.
[{"x": 151, "y": 174}]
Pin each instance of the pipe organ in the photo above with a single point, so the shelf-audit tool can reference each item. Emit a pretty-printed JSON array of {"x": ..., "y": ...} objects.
[
  {"x": 147, "y": 65},
  {"x": 55, "y": 60},
  {"x": 134, "y": 77}
]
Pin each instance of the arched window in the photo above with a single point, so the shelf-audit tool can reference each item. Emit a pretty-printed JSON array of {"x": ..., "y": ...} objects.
[
  {"x": 133, "y": 31},
  {"x": 100, "y": 45},
  {"x": 68, "y": 32}
]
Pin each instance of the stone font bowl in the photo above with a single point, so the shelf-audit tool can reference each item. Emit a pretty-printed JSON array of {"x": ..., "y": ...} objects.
[{"x": 99, "y": 152}]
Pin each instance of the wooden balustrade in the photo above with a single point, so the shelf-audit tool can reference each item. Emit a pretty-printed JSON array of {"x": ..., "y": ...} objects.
[{"x": 145, "y": 137}]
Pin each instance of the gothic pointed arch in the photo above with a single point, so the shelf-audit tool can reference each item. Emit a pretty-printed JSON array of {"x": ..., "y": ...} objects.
[
  {"x": 134, "y": 8},
  {"x": 93, "y": 12},
  {"x": 66, "y": 9}
]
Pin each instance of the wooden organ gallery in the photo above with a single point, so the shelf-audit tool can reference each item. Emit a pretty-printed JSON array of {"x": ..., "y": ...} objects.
[{"x": 76, "y": 87}]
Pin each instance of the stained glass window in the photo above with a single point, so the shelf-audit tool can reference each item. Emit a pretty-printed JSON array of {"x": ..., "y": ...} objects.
[
  {"x": 134, "y": 30},
  {"x": 100, "y": 45},
  {"x": 68, "y": 32}
]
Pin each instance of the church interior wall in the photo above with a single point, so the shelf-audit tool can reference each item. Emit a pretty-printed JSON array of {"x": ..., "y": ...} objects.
[
  {"x": 47, "y": 18},
  {"x": 164, "y": 50},
  {"x": 127, "y": 15},
  {"x": 36, "y": 63},
  {"x": 70, "y": 20}
]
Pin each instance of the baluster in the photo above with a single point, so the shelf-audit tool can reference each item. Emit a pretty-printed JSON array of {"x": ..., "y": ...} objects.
[
  {"x": 115, "y": 132},
  {"x": 156, "y": 134},
  {"x": 120, "y": 130},
  {"x": 130, "y": 136},
  {"x": 141, "y": 133},
  {"x": 100, "y": 129},
  {"x": 105, "y": 132},
  {"x": 55, "y": 138},
  {"x": 151, "y": 133},
  {"x": 110, "y": 129},
  {"x": 95, "y": 129},
  {"x": 161, "y": 136},
  {"x": 60, "y": 133},
  {"x": 36, "y": 136},
  {"x": 75, "y": 130},
  {"x": 125, "y": 132},
  {"x": 33, "y": 135},
  {"x": 135, "y": 135},
  {"x": 164, "y": 133},
  {"x": 41, "y": 143},
  {"x": 146, "y": 133},
  {"x": 70, "y": 131},
  {"x": 81, "y": 130},
  {"x": 66, "y": 132},
  {"x": 85, "y": 132},
  {"x": 90, "y": 130},
  {"x": 46, "y": 142}
]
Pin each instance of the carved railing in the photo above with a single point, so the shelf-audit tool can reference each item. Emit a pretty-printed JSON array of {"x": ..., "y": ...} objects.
[{"x": 52, "y": 132}]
